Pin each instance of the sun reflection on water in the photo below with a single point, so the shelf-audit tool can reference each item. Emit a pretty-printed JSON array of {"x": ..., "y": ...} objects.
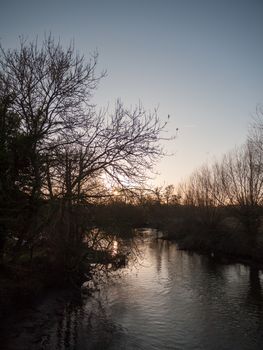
[{"x": 114, "y": 250}]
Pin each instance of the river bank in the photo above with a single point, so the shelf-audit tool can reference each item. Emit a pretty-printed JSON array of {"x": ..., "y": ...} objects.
[{"x": 224, "y": 246}]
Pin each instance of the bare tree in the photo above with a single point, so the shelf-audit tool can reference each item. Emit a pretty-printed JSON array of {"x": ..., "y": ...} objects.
[
  {"x": 242, "y": 176},
  {"x": 70, "y": 146},
  {"x": 122, "y": 148},
  {"x": 169, "y": 195},
  {"x": 202, "y": 193},
  {"x": 49, "y": 88},
  {"x": 241, "y": 179}
]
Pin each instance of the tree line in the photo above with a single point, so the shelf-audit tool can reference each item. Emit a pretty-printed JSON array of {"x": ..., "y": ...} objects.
[
  {"x": 234, "y": 182},
  {"x": 219, "y": 207}
]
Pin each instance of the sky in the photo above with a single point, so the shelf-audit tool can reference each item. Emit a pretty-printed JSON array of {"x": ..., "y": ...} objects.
[{"x": 200, "y": 61}]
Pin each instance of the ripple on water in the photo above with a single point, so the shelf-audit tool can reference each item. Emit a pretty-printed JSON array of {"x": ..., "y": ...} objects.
[
  {"x": 171, "y": 300},
  {"x": 177, "y": 300}
]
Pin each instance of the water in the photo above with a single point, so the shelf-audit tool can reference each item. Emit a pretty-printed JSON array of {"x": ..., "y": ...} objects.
[{"x": 168, "y": 299}]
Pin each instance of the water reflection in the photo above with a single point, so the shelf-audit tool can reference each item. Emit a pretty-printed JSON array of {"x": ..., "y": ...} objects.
[
  {"x": 114, "y": 249},
  {"x": 166, "y": 299}
]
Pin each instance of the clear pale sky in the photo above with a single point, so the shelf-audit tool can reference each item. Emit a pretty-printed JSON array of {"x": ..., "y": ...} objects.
[{"x": 200, "y": 61}]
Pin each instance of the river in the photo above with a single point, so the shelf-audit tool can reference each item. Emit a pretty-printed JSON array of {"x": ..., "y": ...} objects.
[{"x": 166, "y": 299}]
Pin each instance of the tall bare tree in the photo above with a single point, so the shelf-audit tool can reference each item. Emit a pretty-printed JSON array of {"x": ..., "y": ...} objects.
[{"x": 70, "y": 146}]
